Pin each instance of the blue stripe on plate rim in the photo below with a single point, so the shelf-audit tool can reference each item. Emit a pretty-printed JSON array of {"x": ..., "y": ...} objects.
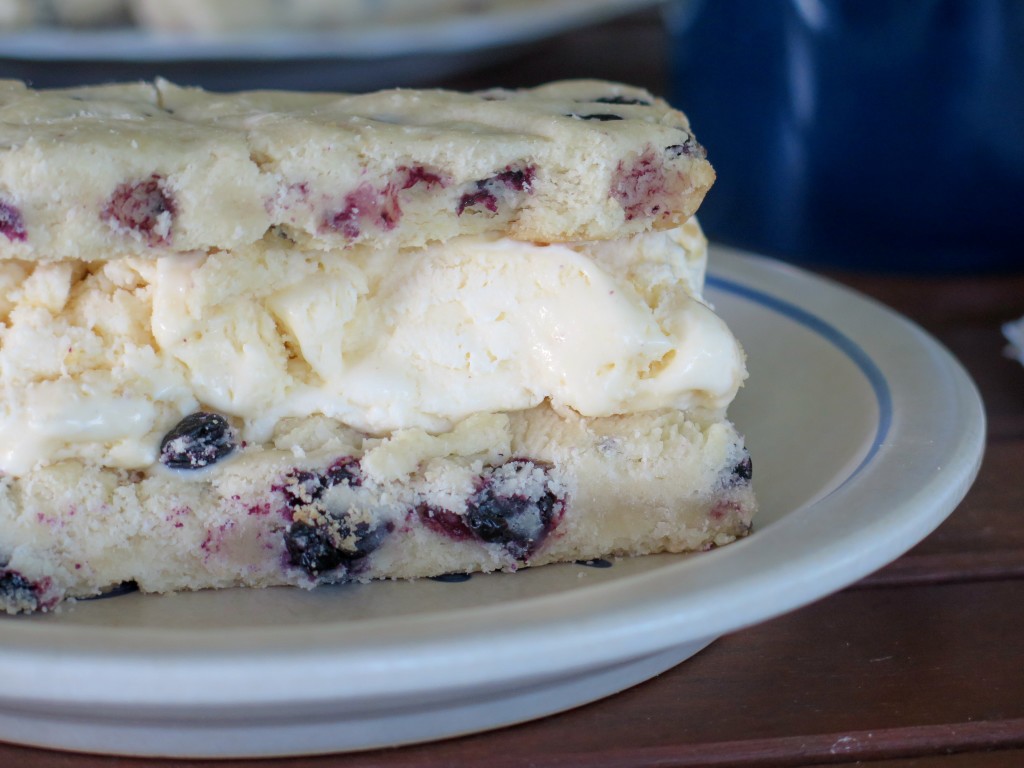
[{"x": 838, "y": 339}]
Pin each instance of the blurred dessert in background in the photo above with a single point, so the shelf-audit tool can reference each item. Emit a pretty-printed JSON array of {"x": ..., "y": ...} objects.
[{"x": 226, "y": 16}]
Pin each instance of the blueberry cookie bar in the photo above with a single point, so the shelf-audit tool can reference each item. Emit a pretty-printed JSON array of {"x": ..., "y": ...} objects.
[
  {"x": 290, "y": 412},
  {"x": 154, "y": 169}
]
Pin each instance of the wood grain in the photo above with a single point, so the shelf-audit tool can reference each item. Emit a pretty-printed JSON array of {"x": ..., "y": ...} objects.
[{"x": 862, "y": 675}]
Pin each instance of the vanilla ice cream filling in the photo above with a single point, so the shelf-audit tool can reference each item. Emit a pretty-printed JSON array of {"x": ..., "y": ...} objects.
[{"x": 99, "y": 361}]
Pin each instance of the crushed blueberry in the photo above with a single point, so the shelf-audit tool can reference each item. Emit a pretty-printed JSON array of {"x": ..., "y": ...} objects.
[
  {"x": 319, "y": 549},
  {"x": 12, "y": 225},
  {"x": 17, "y": 592},
  {"x": 444, "y": 521},
  {"x": 507, "y": 510},
  {"x": 145, "y": 207},
  {"x": 365, "y": 205},
  {"x": 303, "y": 486},
  {"x": 516, "y": 179},
  {"x": 345, "y": 470},
  {"x": 198, "y": 440},
  {"x": 473, "y": 199},
  {"x": 622, "y": 100}
]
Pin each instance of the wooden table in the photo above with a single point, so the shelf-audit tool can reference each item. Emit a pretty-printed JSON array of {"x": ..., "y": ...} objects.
[{"x": 920, "y": 665}]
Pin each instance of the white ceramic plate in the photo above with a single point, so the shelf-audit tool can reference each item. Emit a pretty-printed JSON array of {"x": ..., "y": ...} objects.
[
  {"x": 865, "y": 435},
  {"x": 508, "y": 22}
]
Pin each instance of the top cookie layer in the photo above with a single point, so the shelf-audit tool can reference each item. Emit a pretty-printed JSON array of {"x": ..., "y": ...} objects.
[{"x": 153, "y": 169}]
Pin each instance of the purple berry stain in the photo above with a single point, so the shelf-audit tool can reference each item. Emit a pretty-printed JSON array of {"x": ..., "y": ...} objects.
[
  {"x": 444, "y": 522},
  {"x": 410, "y": 177},
  {"x": 638, "y": 185},
  {"x": 144, "y": 207},
  {"x": 12, "y": 225},
  {"x": 365, "y": 205},
  {"x": 725, "y": 508}
]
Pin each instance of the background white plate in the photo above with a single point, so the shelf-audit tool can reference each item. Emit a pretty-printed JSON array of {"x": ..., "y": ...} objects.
[
  {"x": 506, "y": 23},
  {"x": 865, "y": 435},
  {"x": 355, "y": 58}
]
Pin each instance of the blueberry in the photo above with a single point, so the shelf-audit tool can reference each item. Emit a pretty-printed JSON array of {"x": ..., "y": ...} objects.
[
  {"x": 198, "y": 440},
  {"x": 17, "y": 592},
  {"x": 690, "y": 148},
  {"x": 622, "y": 100},
  {"x": 12, "y": 225},
  {"x": 452, "y": 578},
  {"x": 319, "y": 549},
  {"x": 311, "y": 548},
  {"x": 515, "y": 522},
  {"x": 603, "y": 117},
  {"x": 744, "y": 471},
  {"x": 507, "y": 511},
  {"x": 370, "y": 538}
]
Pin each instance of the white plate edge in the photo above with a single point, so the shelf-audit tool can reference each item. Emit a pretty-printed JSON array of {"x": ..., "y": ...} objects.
[{"x": 558, "y": 648}]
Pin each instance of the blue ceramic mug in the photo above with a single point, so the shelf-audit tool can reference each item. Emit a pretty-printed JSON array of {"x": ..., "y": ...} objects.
[{"x": 875, "y": 134}]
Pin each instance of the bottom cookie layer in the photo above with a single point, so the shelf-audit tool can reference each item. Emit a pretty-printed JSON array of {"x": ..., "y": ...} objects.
[{"x": 322, "y": 503}]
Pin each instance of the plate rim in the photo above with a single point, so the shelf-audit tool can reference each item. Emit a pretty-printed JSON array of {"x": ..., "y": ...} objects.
[{"x": 566, "y": 633}]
